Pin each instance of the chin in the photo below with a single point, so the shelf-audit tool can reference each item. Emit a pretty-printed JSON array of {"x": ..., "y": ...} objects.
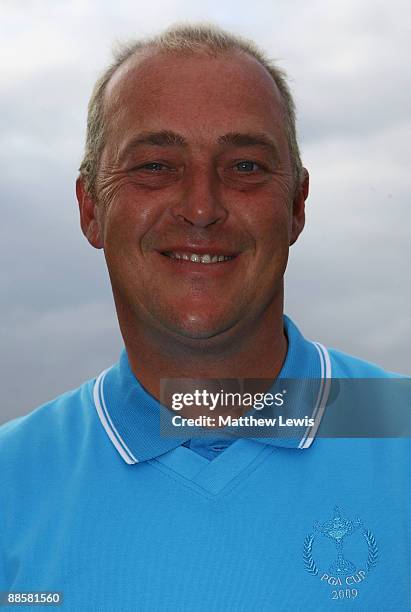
[{"x": 198, "y": 327}]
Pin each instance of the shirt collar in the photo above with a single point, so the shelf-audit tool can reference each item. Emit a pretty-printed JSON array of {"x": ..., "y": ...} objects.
[{"x": 131, "y": 416}]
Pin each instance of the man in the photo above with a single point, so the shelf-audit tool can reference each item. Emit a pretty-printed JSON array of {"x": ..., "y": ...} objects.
[{"x": 193, "y": 186}]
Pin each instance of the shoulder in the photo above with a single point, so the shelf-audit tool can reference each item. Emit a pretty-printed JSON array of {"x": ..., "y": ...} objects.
[
  {"x": 348, "y": 366},
  {"x": 49, "y": 429}
]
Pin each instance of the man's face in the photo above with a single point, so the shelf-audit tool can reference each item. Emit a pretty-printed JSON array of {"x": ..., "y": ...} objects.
[{"x": 196, "y": 189}]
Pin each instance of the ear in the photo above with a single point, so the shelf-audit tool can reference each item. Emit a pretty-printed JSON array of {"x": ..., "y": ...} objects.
[
  {"x": 298, "y": 212},
  {"x": 89, "y": 220}
]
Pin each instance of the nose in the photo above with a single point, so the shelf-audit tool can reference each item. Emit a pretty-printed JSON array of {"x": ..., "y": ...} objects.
[{"x": 200, "y": 201}]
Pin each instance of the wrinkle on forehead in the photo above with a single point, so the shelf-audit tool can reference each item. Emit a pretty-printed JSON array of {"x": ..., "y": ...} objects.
[{"x": 137, "y": 72}]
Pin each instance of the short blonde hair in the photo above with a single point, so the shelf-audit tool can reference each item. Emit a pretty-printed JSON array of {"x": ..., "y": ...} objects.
[{"x": 181, "y": 39}]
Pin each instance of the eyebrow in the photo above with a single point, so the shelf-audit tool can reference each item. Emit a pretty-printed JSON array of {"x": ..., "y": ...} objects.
[
  {"x": 246, "y": 139},
  {"x": 167, "y": 138},
  {"x": 163, "y": 138}
]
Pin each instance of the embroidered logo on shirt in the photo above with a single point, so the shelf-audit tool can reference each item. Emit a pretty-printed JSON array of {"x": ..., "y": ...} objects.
[{"x": 340, "y": 572}]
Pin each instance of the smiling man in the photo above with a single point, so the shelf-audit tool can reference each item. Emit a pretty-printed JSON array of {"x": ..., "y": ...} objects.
[
  {"x": 192, "y": 184},
  {"x": 197, "y": 199}
]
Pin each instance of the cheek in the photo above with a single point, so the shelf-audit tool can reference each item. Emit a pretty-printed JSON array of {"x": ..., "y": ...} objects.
[
  {"x": 118, "y": 229},
  {"x": 130, "y": 217},
  {"x": 269, "y": 224}
]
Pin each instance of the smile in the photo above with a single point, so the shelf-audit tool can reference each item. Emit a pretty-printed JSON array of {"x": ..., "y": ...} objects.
[{"x": 206, "y": 258}]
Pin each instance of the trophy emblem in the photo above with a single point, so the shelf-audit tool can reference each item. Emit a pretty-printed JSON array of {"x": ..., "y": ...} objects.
[{"x": 336, "y": 530}]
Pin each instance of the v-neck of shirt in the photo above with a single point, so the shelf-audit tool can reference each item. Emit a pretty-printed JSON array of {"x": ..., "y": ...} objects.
[{"x": 213, "y": 477}]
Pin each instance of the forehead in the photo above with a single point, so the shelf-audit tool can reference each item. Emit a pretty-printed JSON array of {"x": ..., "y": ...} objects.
[{"x": 198, "y": 95}]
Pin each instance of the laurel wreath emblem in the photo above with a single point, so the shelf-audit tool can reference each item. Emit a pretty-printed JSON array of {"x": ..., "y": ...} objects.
[
  {"x": 372, "y": 549},
  {"x": 309, "y": 562}
]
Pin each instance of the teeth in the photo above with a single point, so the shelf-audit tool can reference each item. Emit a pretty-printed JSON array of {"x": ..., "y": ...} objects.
[{"x": 196, "y": 258}]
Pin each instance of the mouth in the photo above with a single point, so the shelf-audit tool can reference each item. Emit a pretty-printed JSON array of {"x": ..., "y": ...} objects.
[{"x": 198, "y": 258}]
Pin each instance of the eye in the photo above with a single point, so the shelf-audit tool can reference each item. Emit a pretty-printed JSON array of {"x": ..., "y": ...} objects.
[
  {"x": 247, "y": 166},
  {"x": 155, "y": 174},
  {"x": 153, "y": 167}
]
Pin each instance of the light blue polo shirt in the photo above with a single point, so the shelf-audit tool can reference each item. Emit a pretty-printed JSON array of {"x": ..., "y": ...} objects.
[{"x": 95, "y": 504}]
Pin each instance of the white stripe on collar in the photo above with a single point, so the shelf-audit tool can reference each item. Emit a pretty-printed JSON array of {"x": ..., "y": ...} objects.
[
  {"x": 322, "y": 398},
  {"x": 108, "y": 424}
]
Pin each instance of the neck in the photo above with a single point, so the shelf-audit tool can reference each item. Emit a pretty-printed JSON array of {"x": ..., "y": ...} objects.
[{"x": 256, "y": 351}]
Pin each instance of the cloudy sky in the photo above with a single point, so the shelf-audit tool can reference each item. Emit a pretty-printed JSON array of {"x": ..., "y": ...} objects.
[{"x": 348, "y": 282}]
